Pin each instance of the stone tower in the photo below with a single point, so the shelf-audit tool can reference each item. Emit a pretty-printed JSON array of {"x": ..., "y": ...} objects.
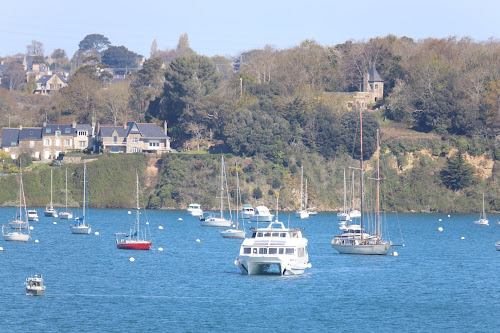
[{"x": 373, "y": 84}]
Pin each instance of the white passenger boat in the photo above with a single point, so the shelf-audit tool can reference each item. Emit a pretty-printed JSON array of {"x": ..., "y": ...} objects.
[
  {"x": 34, "y": 286},
  {"x": 262, "y": 214},
  {"x": 194, "y": 209},
  {"x": 248, "y": 211},
  {"x": 32, "y": 215},
  {"x": 274, "y": 247}
]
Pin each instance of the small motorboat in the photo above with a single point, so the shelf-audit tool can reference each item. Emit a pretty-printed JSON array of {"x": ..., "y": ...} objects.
[{"x": 34, "y": 286}]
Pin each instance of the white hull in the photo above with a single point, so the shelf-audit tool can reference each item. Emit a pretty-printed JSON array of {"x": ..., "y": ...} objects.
[
  {"x": 16, "y": 237},
  {"x": 497, "y": 246},
  {"x": 354, "y": 213},
  {"x": 253, "y": 265},
  {"x": 39, "y": 291},
  {"x": 215, "y": 222},
  {"x": 80, "y": 229},
  {"x": 247, "y": 215},
  {"x": 50, "y": 213},
  {"x": 343, "y": 217},
  {"x": 482, "y": 222},
  {"x": 65, "y": 216},
  {"x": 302, "y": 214},
  {"x": 195, "y": 212},
  {"x": 369, "y": 249},
  {"x": 32, "y": 216},
  {"x": 233, "y": 233},
  {"x": 262, "y": 218}
]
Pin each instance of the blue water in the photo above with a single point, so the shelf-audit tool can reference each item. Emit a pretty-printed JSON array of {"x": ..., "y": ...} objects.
[{"x": 439, "y": 282}]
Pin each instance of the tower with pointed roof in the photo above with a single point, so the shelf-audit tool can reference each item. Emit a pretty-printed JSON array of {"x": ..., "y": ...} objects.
[{"x": 374, "y": 84}]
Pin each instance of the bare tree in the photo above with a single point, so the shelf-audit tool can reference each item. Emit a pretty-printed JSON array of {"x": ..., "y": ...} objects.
[{"x": 35, "y": 48}]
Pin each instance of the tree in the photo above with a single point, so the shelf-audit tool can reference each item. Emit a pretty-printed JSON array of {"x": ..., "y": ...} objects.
[
  {"x": 350, "y": 137},
  {"x": 60, "y": 60},
  {"x": 154, "y": 49},
  {"x": 15, "y": 74},
  {"x": 115, "y": 100},
  {"x": 119, "y": 57},
  {"x": 457, "y": 174},
  {"x": 94, "y": 42},
  {"x": 80, "y": 98},
  {"x": 35, "y": 48},
  {"x": 30, "y": 86}
]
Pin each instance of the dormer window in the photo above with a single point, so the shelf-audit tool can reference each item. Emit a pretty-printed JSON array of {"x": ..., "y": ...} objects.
[
  {"x": 48, "y": 130},
  {"x": 67, "y": 130},
  {"x": 58, "y": 134},
  {"x": 82, "y": 133},
  {"x": 115, "y": 139}
]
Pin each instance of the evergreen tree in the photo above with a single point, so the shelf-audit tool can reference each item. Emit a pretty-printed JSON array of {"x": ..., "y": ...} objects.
[{"x": 457, "y": 174}]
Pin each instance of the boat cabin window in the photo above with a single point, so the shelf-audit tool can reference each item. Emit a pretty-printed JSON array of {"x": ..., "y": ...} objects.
[
  {"x": 281, "y": 250},
  {"x": 254, "y": 250},
  {"x": 253, "y": 234},
  {"x": 273, "y": 250},
  {"x": 267, "y": 234},
  {"x": 259, "y": 234},
  {"x": 247, "y": 250},
  {"x": 275, "y": 234},
  {"x": 301, "y": 252},
  {"x": 283, "y": 234},
  {"x": 262, "y": 250},
  {"x": 289, "y": 250}
]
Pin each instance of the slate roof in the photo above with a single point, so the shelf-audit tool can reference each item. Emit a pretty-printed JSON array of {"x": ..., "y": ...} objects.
[
  {"x": 30, "y": 133},
  {"x": 50, "y": 130},
  {"x": 149, "y": 131},
  {"x": 9, "y": 136},
  {"x": 374, "y": 76},
  {"x": 107, "y": 131},
  {"x": 45, "y": 78}
]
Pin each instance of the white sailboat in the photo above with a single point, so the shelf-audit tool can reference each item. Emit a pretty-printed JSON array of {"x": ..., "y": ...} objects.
[
  {"x": 79, "y": 225},
  {"x": 356, "y": 240},
  {"x": 344, "y": 215},
  {"x": 66, "y": 215},
  {"x": 354, "y": 212},
  {"x": 482, "y": 217},
  {"x": 50, "y": 211},
  {"x": 219, "y": 221},
  {"x": 17, "y": 234},
  {"x": 235, "y": 232},
  {"x": 302, "y": 213}
]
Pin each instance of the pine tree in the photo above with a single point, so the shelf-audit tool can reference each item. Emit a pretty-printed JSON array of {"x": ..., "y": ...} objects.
[{"x": 457, "y": 173}]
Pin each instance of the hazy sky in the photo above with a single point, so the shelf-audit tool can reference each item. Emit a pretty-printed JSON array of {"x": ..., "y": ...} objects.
[{"x": 230, "y": 27}]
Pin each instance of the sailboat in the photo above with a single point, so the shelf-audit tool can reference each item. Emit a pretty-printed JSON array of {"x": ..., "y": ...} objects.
[
  {"x": 136, "y": 239},
  {"x": 66, "y": 215},
  {"x": 311, "y": 210},
  {"x": 214, "y": 220},
  {"x": 17, "y": 234},
  {"x": 354, "y": 239},
  {"x": 344, "y": 215},
  {"x": 50, "y": 211},
  {"x": 482, "y": 218},
  {"x": 79, "y": 225},
  {"x": 235, "y": 233},
  {"x": 354, "y": 212},
  {"x": 302, "y": 213}
]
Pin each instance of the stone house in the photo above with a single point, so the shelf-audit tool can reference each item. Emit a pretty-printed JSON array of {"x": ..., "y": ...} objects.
[
  {"x": 16, "y": 141},
  {"x": 49, "y": 83},
  {"x": 134, "y": 137}
]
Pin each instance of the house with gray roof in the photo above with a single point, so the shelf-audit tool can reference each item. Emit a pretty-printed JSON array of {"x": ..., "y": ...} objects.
[
  {"x": 134, "y": 137},
  {"x": 48, "y": 83}
]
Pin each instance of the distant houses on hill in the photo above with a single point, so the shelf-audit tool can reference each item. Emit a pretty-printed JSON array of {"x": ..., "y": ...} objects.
[{"x": 50, "y": 140}]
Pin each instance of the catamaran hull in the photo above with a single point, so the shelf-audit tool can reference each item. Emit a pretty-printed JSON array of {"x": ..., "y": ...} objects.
[
  {"x": 482, "y": 222},
  {"x": 261, "y": 265},
  {"x": 84, "y": 230},
  {"x": 134, "y": 246},
  {"x": 370, "y": 249},
  {"x": 16, "y": 237}
]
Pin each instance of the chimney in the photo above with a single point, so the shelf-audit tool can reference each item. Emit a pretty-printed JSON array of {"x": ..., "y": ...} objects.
[
  {"x": 73, "y": 124},
  {"x": 165, "y": 127},
  {"x": 44, "y": 124},
  {"x": 125, "y": 125}
]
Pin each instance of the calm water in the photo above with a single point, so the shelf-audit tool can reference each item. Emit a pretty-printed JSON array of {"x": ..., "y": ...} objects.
[{"x": 439, "y": 282}]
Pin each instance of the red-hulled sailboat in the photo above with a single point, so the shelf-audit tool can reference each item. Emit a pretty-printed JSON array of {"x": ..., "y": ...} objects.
[{"x": 136, "y": 239}]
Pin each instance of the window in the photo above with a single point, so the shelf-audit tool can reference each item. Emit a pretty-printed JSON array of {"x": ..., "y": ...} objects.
[
  {"x": 135, "y": 140},
  {"x": 82, "y": 133},
  {"x": 67, "y": 142},
  {"x": 289, "y": 250},
  {"x": 247, "y": 250},
  {"x": 282, "y": 235},
  {"x": 136, "y": 150},
  {"x": 115, "y": 139},
  {"x": 58, "y": 142},
  {"x": 32, "y": 144},
  {"x": 376, "y": 86},
  {"x": 301, "y": 252},
  {"x": 48, "y": 130},
  {"x": 267, "y": 234},
  {"x": 275, "y": 234},
  {"x": 253, "y": 234},
  {"x": 262, "y": 250},
  {"x": 82, "y": 144},
  {"x": 67, "y": 130},
  {"x": 58, "y": 134},
  {"x": 273, "y": 250},
  {"x": 254, "y": 250},
  {"x": 281, "y": 250},
  {"x": 259, "y": 234},
  {"x": 47, "y": 142},
  {"x": 154, "y": 144}
]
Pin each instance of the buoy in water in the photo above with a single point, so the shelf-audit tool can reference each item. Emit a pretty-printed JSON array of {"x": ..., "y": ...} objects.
[
  {"x": 31, "y": 227},
  {"x": 440, "y": 220},
  {"x": 440, "y": 229},
  {"x": 449, "y": 215},
  {"x": 394, "y": 253},
  {"x": 198, "y": 240},
  {"x": 36, "y": 240},
  {"x": 96, "y": 233},
  {"x": 1, "y": 248},
  {"x": 236, "y": 263},
  {"x": 129, "y": 212},
  {"x": 147, "y": 223},
  {"x": 160, "y": 227},
  {"x": 132, "y": 259},
  {"x": 309, "y": 265},
  {"x": 462, "y": 237},
  {"x": 160, "y": 249},
  {"x": 54, "y": 222},
  {"x": 180, "y": 219}
]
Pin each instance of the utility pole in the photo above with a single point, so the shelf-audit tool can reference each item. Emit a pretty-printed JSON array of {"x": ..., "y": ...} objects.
[{"x": 241, "y": 87}]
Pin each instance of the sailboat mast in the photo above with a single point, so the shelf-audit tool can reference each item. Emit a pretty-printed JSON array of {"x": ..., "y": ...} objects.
[
  {"x": 305, "y": 196},
  {"x": 221, "y": 187},
  {"x": 301, "y": 184},
  {"x": 20, "y": 195},
  {"x": 84, "y": 189},
  {"x": 361, "y": 167},
  {"x": 237, "y": 196},
  {"x": 137, "y": 196},
  {"x": 66, "y": 189},
  {"x": 378, "y": 188},
  {"x": 484, "y": 213},
  {"x": 345, "y": 194},
  {"x": 51, "y": 189}
]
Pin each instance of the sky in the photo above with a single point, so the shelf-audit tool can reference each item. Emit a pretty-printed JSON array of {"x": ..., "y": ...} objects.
[{"x": 229, "y": 28}]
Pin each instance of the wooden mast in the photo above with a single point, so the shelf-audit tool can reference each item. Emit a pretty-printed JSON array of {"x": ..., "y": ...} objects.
[{"x": 361, "y": 168}]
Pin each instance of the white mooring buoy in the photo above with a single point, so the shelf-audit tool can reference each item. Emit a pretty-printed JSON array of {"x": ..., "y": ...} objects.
[
  {"x": 198, "y": 240},
  {"x": 440, "y": 229},
  {"x": 160, "y": 227},
  {"x": 36, "y": 240},
  {"x": 129, "y": 212},
  {"x": 440, "y": 220},
  {"x": 394, "y": 253},
  {"x": 1, "y": 248},
  {"x": 180, "y": 219},
  {"x": 449, "y": 215},
  {"x": 132, "y": 259},
  {"x": 96, "y": 233},
  {"x": 160, "y": 249},
  {"x": 54, "y": 222},
  {"x": 31, "y": 227},
  {"x": 462, "y": 237}
]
